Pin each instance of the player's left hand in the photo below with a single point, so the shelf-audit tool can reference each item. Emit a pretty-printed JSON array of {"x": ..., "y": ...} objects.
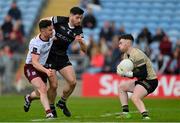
[{"x": 128, "y": 74}]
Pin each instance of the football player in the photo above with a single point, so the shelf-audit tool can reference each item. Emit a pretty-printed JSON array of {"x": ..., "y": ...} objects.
[{"x": 146, "y": 82}]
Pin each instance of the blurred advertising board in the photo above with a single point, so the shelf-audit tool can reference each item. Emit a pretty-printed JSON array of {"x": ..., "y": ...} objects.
[{"x": 106, "y": 85}]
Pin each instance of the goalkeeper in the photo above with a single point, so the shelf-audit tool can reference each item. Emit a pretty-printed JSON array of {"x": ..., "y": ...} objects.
[{"x": 146, "y": 77}]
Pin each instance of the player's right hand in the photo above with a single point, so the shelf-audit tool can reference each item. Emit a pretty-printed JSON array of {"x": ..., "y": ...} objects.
[
  {"x": 78, "y": 38},
  {"x": 49, "y": 72}
]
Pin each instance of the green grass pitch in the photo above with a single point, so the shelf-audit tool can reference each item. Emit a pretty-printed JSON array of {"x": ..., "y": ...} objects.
[{"x": 88, "y": 110}]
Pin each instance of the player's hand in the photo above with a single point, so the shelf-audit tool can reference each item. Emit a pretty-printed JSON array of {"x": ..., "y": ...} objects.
[
  {"x": 119, "y": 72},
  {"x": 54, "y": 38},
  {"x": 49, "y": 72},
  {"x": 78, "y": 38},
  {"x": 128, "y": 74},
  {"x": 125, "y": 74}
]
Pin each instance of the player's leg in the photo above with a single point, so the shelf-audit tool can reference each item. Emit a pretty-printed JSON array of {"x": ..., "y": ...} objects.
[
  {"x": 28, "y": 72},
  {"x": 52, "y": 92},
  {"x": 69, "y": 75},
  {"x": 142, "y": 89},
  {"x": 123, "y": 88},
  {"x": 52, "y": 63},
  {"x": 53, "y": 84},
  {"x": 29, "y": 98},
  {"x": 138, "y": 94},
  {"x": 42, "y": 89}
]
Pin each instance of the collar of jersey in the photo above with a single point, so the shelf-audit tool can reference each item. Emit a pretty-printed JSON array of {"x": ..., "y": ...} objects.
[{"x": 71, "y": 27}]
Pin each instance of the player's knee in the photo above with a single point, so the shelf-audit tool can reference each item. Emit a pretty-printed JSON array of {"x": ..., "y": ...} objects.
[
  {"x": 43, "y": 90},
  {"x": 122, "y": 86},
  {"x": 72, "y": 83},
  {"x": 134, "y": 98},
  {"x": 53, "y": 87}
]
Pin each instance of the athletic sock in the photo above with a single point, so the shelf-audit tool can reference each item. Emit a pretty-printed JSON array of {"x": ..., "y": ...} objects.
[
  {"x": 125, "y": 108},
  {"x": 52, "y": 107},
  {"x": 63, "y": 100},
  {"x": 144, "y": 114}
]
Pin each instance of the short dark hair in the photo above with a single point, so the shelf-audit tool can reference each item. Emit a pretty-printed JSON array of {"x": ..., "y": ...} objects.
[
  {"x": 76, "y": 10},
  {"x": 44, "y": 24},
  {"x": 127, "y": 37}
]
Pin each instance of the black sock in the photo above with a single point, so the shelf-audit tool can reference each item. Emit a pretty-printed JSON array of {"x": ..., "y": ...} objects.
[
  {"x": 125, "y": 108},
  {"x": 63, "y": 100},
  {"x": 52, "y": 107},
  {"x": 144, "y": 114}
]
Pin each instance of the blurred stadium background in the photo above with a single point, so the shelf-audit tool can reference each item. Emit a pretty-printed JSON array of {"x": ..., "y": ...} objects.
[{"x": 155, "y": 24}]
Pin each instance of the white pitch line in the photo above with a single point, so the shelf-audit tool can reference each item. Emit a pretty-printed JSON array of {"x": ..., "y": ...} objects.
[
  {"x": 116, "y": 114},
  {"x": 79, "y": 117},
  {"x": 50, "y": 119}
]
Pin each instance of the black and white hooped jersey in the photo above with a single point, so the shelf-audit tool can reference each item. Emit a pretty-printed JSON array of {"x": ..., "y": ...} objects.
[
  {"x": 39, "y": 47},
  {"x": 64, "y": 33}
]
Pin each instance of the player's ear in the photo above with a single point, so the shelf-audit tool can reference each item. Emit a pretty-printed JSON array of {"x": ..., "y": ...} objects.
[
  {"x": 42, "y": 30},
  {"x": 129, "y": 42}
]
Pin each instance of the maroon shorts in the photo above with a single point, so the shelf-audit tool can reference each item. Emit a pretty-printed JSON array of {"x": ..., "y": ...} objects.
[{"x": 30, "y": 72}]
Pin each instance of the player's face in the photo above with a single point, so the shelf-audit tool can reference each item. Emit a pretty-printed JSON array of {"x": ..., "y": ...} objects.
[
  {"x": 123, "y": 45},
  {"x": 76, "y": 19},
  {"x": 48, "y": 32}
]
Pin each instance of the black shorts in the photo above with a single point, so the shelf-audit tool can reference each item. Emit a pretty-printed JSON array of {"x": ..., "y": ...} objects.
[
  {"x": 149, "y": 85},
  {"x": 57, "y": 62}
]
